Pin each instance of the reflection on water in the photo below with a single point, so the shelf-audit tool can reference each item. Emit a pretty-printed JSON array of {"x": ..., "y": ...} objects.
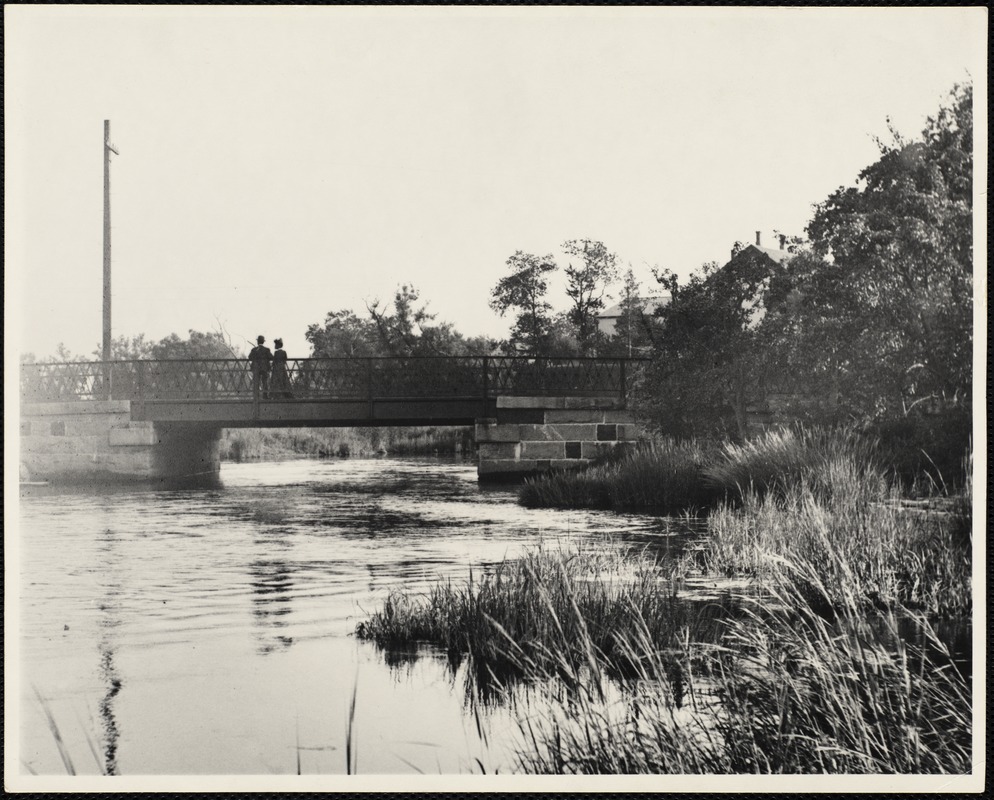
[
  {"x": 110, "y": 731},
  {"x": 271, "y": 588},
  {"x": 109, "y": 604},
  {"x": 197, "y": 630}
]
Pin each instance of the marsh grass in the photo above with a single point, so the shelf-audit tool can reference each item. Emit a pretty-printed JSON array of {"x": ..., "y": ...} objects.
[
  {"x": 873, "y": 553},
  {"x": 552, "y": 611},
  {"x": 63, "y": 748},
  {"x": 786, "y": 691},
  {"x": 833, "y": 664},
  {"x": 667, "y": 476},
  {"x": 829, "y": 462},
  {"x": 663, "y": 476}
]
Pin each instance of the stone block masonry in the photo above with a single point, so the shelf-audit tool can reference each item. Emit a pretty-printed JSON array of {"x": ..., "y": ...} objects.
[
  {"x": 531, "y": 435},
  {"x": 97, "y": 442}
]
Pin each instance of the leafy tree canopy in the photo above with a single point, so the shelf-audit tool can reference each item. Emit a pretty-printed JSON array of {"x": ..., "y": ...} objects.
[
  {"x": 524, "y": 290},
  {"x": 872, "y": 321},
  {"x": 895, "y": 300},
  {"x": 213, "y": 344},
  {"x": 405, "y": 328},
  {"x": 586, "y": 287}
]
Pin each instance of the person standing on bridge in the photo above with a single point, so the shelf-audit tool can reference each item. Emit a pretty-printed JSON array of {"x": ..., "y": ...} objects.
[
  {"x": 260, "y": 357},
  {"x": 280, "y": 385}
]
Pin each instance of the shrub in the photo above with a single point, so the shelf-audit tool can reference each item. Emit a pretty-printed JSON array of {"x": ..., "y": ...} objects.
[{"x": 926, "y": 452}]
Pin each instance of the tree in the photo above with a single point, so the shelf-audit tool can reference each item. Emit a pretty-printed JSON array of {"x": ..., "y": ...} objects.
[
  {"x": 886, "y": 309},
  {"x": 586, "y": 287},
  {"x": 525, "y": 290},
  {"x": 709, "y": 363},
  {"x": 343, "y": 335},
  {"x": 403, "y": 329},
  {"x": 126, "y": 348},
  {"x": 634, "y": 331},
  {"x": 197, "y": 345},
  {"x": 871, "y": 325},
  {"x": 62, "y": 355}
]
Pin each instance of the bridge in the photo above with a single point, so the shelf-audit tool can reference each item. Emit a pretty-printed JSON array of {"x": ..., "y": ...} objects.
[{"x": 529, "y": 414}]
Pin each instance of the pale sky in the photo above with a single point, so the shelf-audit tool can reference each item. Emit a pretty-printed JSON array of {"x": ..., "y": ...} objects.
[{"x": 279, "y": 163}]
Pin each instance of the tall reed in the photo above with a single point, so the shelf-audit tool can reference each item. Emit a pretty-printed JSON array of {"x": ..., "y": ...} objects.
[
  {"x": 827, "y": 461},
  {"x": 552, "y": 610},
  {"x": 786, "y": 691},
  {"x": 873, "y": 553},
  {"x": 662, "y": 476}
]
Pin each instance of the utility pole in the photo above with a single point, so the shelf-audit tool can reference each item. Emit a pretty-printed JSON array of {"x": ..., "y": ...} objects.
[{"x": 108, "y": 149}]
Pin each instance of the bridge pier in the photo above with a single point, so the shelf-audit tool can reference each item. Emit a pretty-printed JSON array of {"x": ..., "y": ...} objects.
[
  {"x": 96, "y": 441},
  {"x": 531, "y": 435}
]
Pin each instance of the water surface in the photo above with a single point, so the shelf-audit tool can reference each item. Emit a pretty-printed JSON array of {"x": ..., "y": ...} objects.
[{"x": 210, "y": 631}]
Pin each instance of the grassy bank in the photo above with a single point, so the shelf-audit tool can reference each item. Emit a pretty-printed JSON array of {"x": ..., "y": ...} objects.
[
  {"x": 833, "y": 665},
  {"x": 663, "y": 476},
  {"x": 669, "y": 476},
  {"x": 248, "y": 444}
]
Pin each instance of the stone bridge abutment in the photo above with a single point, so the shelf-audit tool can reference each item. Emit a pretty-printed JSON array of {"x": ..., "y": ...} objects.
[
  {"x": 531, "y": 435},
  {"x": 83, "y": 441}
]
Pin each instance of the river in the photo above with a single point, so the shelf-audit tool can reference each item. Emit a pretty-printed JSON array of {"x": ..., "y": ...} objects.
[{"x": 209, "y": 631}]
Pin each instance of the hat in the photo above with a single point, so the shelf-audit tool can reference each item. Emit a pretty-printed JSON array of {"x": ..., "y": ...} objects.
[
  {"x": 278, "y": 342},
  {"x": 260, "y": 339}
]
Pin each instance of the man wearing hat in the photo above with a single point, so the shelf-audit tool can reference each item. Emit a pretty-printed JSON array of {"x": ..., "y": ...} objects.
[{"x": 260, "y": 357}]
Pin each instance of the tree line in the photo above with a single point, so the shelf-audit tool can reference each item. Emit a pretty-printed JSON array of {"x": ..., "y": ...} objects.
[
  {"x": 405, "y": 327},
  {"x": 868, "y": 323}
]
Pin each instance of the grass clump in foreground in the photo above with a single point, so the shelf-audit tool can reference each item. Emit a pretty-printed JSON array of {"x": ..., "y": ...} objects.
[
  {"x": 550, "y": 611},
  {"x": 662, "y": 476},
  {"x": 786, "y": 691}
]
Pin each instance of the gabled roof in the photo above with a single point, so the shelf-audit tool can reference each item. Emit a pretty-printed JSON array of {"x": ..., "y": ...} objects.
[{"x": 779, "y": 256}]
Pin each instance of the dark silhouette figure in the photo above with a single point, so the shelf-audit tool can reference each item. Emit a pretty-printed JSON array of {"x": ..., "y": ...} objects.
[
  {"x": 260, "y": 358},
  {"x": 280, "y": 385}
]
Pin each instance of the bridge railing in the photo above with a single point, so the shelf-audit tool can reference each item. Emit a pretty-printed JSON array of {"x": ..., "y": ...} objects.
[{"x": 385, "y": 378}]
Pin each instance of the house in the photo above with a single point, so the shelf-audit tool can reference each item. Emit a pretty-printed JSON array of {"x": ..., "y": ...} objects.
[
  {"x": 744, "y": 263},
  {"x": 778, "y": 255},
  {"x": 607, "y": 320}
]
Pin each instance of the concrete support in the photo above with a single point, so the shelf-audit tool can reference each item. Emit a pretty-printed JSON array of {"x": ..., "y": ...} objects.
[
  {"x": 530, "y": 435},
  {"x": 97, "y": 441}
]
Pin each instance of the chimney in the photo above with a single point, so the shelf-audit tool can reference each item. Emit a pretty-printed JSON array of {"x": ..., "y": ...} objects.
[
  {"x": 783, "y": 241},
  {"x": 758, "y": 242}
]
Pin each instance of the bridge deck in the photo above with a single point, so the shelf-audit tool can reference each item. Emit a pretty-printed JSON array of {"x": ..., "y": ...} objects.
[{"x": 325, "y": 392}]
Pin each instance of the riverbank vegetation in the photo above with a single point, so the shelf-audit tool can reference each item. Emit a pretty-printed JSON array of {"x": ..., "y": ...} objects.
[
  {"x": 552, "y": 611},
  {"x": 250, "y": 444},
  {"x": 786, "y": 690},
  {"x": 663, "y": 476},
  {"x": 668, "y": 475},
  {"x": 831, "y": 662}
]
